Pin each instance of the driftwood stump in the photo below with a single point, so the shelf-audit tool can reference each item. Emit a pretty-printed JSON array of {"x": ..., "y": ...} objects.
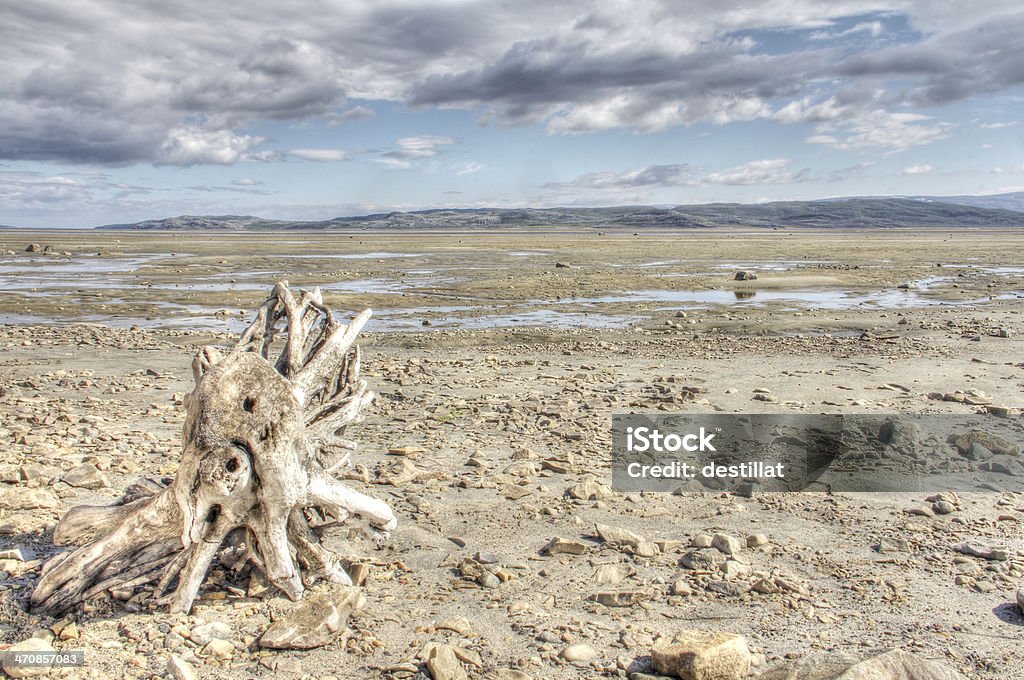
[{"x": 262, "y": 442}]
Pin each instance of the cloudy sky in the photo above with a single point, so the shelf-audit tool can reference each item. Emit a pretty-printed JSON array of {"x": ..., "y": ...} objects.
[{"x": 121, "y": 111}]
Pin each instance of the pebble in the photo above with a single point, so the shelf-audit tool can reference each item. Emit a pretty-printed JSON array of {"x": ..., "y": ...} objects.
[
  {"x": 613, "y": 574},
  {"x": 681, "y": 588},
  {"x": 580, "y": 652},
  {"x": 179, "y": 669},
  {"x": 443, "y": 664},
  {"x": 86, "y": 476},
  {"x": 727, "y": 588},
  {"x": 510, "y": 674},
  {"x": 734, "y": 569},
  {"x": 702, "y": 560},
  {"x": 620, "y": 598},
  {"x": 204, "y": 633},
  {"x": 486, "y": 557},
  {"x": 591, "y": 490},
  {"x": 893, "y": 545},
  {"x": 766, "y": 587},
  {"x": 617, "y": 537},
  {"x": 293, "y": 666},
  {"x": 219, "y": 649},
  {"x": 18, "y": 554},
  {"x": 489, "y": 580},
  {"x": 726, "y": 544},
  {"x": 701, "y": 541},
  {"x": 559, "y": 546},
  {"x": 173, "y": 641},
  {"x": 756, "y": 540},
  {"x": 456, "y": 624}
]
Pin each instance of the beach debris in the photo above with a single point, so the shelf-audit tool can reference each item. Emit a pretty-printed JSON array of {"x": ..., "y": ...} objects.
[{"x": 253, "y": 414}]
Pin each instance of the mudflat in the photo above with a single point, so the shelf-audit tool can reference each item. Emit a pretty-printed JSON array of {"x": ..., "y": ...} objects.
[{"x": 499, "y": 358}]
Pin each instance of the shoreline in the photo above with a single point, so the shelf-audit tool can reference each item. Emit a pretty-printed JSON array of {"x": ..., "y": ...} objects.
[{"x": 503, "y": 438}]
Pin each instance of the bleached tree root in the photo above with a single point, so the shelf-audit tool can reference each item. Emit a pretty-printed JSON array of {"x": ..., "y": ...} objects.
[{"x": 260, "y": 449}]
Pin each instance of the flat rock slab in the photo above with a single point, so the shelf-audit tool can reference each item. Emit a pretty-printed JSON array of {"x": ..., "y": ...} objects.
[
  {"x": 616, "y": 536},
  {"x": 619, "y": 598},
  {"x": 29, "y": 646},
  {"x": 983, "y": 551},
  {"x": 28, "y": 499},
  {"x": 559, "y": 546},
  {"x": 702, "y": 655},
  {"x": 86, "y": 476},
  {"x": 316, "y": 621}
]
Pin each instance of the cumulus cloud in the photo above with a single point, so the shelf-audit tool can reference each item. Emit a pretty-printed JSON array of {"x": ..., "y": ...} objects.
[
  {"x": 193, "y": 145},
  {"x": 411, "y": 149},
  {"x": 91, "y": 83},
  {"x": 772, "y": 171},
  {"x": 69, "y": 198},
  {"x": 919, "y": 169},
  {"x": 38, "y": 190},
  {"x": 880, "y": 130},
  {"x": 319, "y": 155}
]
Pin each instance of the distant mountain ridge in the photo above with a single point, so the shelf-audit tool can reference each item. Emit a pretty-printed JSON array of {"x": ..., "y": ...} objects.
[
  {"x": 908, "y": 212},
  {"x": 1009, "y": 201},
  {"x": 198, "y": 222}
]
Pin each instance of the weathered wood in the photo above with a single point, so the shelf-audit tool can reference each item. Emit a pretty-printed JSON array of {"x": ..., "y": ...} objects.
[{"x": 259, "y": 451}]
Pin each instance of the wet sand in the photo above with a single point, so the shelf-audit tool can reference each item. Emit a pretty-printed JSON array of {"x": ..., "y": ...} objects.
[{"x": 524, "y": 361}]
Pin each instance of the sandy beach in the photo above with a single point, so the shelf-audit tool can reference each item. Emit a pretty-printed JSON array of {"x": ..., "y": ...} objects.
[{"x": 499, "y": 358}]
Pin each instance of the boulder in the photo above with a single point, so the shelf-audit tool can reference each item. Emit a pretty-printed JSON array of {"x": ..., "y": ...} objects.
[
  {"x": 894, "y": 664},
  {"x": 702, "y": 655}
]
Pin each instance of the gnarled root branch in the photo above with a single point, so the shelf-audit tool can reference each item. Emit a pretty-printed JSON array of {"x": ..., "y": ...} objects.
[{"x": 260, "y": 442}]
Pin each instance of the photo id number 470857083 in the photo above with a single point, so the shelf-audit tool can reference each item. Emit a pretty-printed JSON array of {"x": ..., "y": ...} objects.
[{"x": 28, "y": 659}]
